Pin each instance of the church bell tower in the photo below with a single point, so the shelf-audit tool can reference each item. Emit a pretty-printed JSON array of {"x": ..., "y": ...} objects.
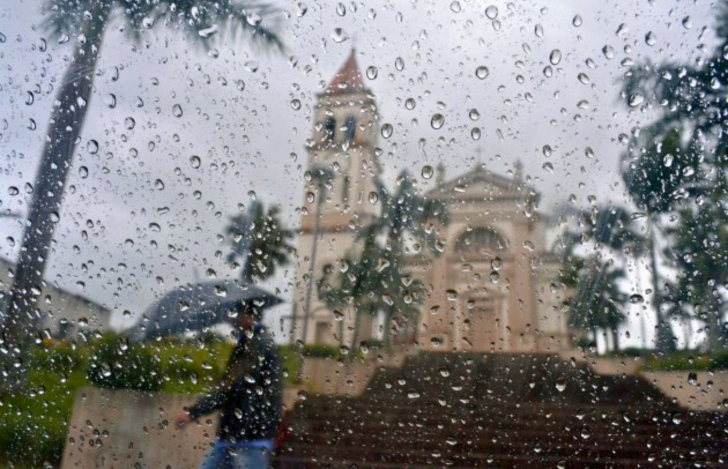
[{"x": 341, "y": 171}]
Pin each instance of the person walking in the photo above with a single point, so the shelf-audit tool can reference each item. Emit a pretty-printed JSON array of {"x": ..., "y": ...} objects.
[{"x": 248, "y": 398}]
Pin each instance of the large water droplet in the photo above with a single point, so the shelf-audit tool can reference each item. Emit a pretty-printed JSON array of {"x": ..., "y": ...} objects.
[
  {"x": 538, "y": 30},
  {"x": 159, "y": 185},
  {"x": 482, "y": 72},
  {"x": 475, "y": 133},
  {"x": 92, "y": 146},
  {"x": 195, "y": 161},
  {"x": 560, "y": 384},
  {"x": 636, "y": 298},
  {"x": 83, "y": 172},
  {"x": 650, "y": 39},
  {"x": 387, "y": 130},
  {"x": 372, "y": 72},
  {"x": 29, "y": 98},
  {"x": 373, "y": 197},
  {"x": 577, "y": 21},
  {"x": 555, "y": 57},
  {"x": 455, "y": 7},
  {"x": 491, "y": 12},
  {"x": 177, "y": 110},
  {"x": 427, "y": 171},
  {"x": 339, "y": 35},
  {"x": 437, "y": 121}
]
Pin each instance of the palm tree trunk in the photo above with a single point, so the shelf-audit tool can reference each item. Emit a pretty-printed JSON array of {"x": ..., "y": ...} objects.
[
  {"x": 615, "y": 338},
  {"x": 65, "y": 125},
  {"x": 314, "y": 251},
  {"x": 665, "y": 340},
  {"x": 355, "y": 337}
]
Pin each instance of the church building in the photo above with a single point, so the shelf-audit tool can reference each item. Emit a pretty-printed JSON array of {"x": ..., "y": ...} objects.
[{"x": 493, "y": 287}]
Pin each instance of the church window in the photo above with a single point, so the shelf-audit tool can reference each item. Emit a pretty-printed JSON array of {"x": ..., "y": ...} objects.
[
  {"x": 350, "y": 126},
  {"x": 329, "y": 129},
  {"x": 481, "y": 239}
]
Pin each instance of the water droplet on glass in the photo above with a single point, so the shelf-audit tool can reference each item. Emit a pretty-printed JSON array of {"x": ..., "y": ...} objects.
[
  {"x": 589, "y": 152},
  {"x": 692, "y": 378},
  {"x": 159, "y": 185},
  {"x": 546, "y": 150},
  {"x": 410, "y": 104},
  {"x": 295, "y": 104},
  {"x": 548, "y": 71},
  {"x": 667, "y": 160},
  {"x": 474, "y": 115},
  {"x": 339, "y": 35},
  {"x": 208, "y": 32},
  {"x": 177, "y": 110},
  {"x": 560, "y": 384},
  {"x": 83, "y": 172},
  {"x": 387, "y": 130},
  {"x": 687, "y": 22},
  {"x": 650, "y": 39},
  {"x": 372, "y": 72},
  {"x": 12, "y": 190},
  {"x": 32, "y": 125},
  {"x": 577, "y": 21},
  {"x": 635, "y": 100},
  {"x": 555, "y": 57},
  {"x": 636, "y": 298},
  {"x": 301, "y": 9},
  {"x": 583, "y": 78},
  {"x": 92, "y": 146},
  {"x": 475, "y": 133},
  {"x": 129, "y": 122},
  {"x": 455, "y": 7},
  {"x": 195, "y": 161},
  {"x": 482, "y": 72},
  {"x": 538, "y": 30},
  {"x": 491, "y": 12},
  {"x": 622, "y": 29},
  {"x": 373, "y": 197},
  {"x": 427, "y": 171},
  {"x": 29, "y": 98},
  {"x": 437, "y": 121}
]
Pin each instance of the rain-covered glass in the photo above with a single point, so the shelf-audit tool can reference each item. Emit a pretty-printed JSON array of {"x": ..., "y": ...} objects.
[{"x": 375, "y": 234}]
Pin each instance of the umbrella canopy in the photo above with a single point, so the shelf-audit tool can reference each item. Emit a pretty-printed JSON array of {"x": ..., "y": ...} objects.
[{"x": 196, "y": 306}]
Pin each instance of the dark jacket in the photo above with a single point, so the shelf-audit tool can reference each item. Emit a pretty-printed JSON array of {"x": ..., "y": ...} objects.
[{"x": 249, "y": 394}]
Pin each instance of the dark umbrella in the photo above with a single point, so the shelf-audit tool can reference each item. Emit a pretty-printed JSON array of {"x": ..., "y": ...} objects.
[{"x": 196, "y": 306}]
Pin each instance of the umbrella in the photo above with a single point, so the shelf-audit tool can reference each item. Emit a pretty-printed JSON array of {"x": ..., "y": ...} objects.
[{"x": 196, "y": 306}]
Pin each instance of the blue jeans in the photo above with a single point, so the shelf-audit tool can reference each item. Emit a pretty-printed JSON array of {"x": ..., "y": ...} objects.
[{"x": 244, "y": 455}]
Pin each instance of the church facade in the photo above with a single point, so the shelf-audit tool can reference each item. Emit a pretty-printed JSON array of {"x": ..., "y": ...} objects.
[{"x": 494, "y": 287}]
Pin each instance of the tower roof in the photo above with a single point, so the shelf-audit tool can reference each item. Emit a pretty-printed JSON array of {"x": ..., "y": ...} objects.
[{"x": 348, "y": 79}]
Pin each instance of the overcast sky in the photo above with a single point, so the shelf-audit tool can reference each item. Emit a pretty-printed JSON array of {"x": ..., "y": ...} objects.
[{"x": 252, "y": 140}]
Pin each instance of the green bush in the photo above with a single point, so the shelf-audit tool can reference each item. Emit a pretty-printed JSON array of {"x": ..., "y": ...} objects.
[
  {"x": 687, "y": 360},
  {"x": 321, "y": 351},
  {"x": 115, "y": 364}
]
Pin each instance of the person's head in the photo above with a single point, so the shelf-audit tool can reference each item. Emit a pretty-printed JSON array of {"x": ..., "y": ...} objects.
[{"x": 248, "y": 316}]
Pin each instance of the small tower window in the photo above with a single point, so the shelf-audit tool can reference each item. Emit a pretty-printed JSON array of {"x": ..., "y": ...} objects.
[
  {"x": 329, "y": 129},
  {"x": 350, "y": 128}
]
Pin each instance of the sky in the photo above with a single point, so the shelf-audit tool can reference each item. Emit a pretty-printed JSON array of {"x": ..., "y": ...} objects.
[{"x": 237, "y": 117}]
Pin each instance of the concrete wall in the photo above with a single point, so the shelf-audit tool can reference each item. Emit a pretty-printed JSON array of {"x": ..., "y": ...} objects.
[
  {"x": 708, "y": 392},
  {"x": 122, "y": 429}
]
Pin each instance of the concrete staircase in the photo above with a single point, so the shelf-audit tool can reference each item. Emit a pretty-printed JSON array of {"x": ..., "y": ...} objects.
[{"x": 501, "y": 411}]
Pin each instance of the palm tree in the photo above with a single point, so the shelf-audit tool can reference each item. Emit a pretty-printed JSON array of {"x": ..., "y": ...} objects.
[
  {"x": 598, "y": 299},
  {"x": 321, "y": 178},
  {"x": 680, "y": 155},
  {"x": 657, "y": 179},
  {"x": 260, "y": 240},
  {"x": 87, "y": 20},
  {"x": 359, "y": 286},
  {"x": 405, "y": 211}
]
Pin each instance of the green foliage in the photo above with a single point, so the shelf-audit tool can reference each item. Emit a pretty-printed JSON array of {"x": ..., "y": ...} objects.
[
  {"x": 117, "y": 365},
  {"x": 260, "y": 240},
  {"x": 687, "y": 361}
]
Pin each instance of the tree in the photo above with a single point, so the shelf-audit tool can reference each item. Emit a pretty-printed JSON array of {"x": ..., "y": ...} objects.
[
  {"x": 598, "y": 301},
  {"x": 690, "y": 169},
  {"x": 698, "y": 291},
  {"x": 357, "y": 286},
  {"x": 87, "y": 20},
  {"x": 404, "y": 212},
  {"x": 260, "y": 241}
]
